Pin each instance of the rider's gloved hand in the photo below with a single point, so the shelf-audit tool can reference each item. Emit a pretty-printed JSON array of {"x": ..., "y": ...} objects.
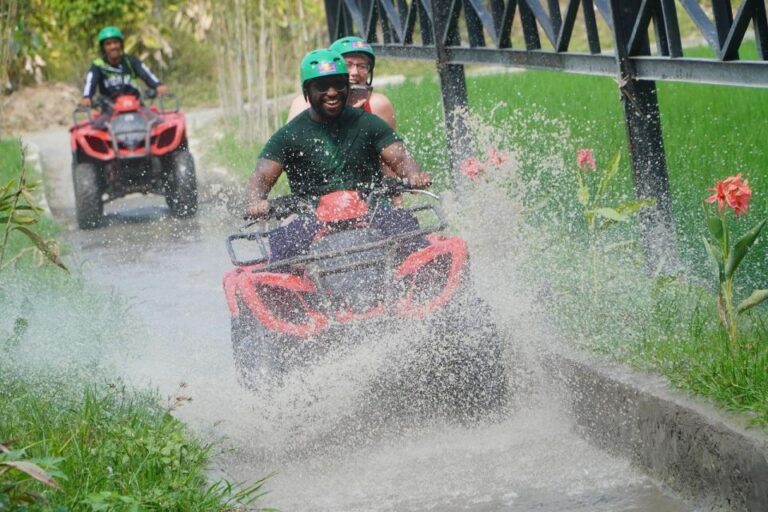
[
  {"x": 419, "y": 180},
  {"x": 257, "y": 209}
]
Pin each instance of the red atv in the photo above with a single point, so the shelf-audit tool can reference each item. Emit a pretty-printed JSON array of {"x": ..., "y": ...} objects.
[
  {"x": 129, "y": 148},
  {"x": 286, "y": 312}
]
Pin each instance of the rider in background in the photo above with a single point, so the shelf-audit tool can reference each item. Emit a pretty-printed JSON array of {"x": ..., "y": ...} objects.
[
  {"x": 115, "y": 72},
  {"x": 360, "y": 61},
  {"x": 328, "y": 147}
]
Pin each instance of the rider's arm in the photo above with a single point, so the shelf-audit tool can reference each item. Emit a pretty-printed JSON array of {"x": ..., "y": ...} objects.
[
  {"x": 396, "y": 157},
  {"x": 91, "y": 82},
  {"x": 261, "y": 182},
  {"x": 143, "y": 72}
]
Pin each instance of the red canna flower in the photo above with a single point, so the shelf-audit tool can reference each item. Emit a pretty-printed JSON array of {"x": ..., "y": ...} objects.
[
  {"x": 496, "y": 157},
  {"x": 472, "y": 168},
  {"x": 585, "y": 160},
  {"x": 732, "y": 192}
]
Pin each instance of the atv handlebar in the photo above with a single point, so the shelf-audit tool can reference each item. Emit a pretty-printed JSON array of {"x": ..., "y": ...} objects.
[
  {"x": 282, "y": 207},
  {"x": 104, "y": 104},
  {"x": 81, "y": 115}
]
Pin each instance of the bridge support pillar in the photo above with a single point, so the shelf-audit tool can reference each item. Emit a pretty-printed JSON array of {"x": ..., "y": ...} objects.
[
  {"x": 646, "y": 146},
  {"x": 453, "y": 87}
]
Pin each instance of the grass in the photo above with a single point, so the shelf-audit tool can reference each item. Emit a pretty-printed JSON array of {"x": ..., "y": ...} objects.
[
  {"x": 229, "y": 151},
  {"x": 108, "y": 448}
]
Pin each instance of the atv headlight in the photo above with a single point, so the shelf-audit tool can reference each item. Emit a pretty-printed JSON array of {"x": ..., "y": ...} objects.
[
  {"x": 130, "y": 140},
  {"x": 130, "y": 130}
]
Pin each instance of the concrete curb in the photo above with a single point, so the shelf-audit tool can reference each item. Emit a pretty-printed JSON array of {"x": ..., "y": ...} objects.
[{"x": 700, "y": 452}]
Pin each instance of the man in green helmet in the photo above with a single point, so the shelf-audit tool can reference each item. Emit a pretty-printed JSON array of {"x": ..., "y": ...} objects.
[
  {"x": 114, "y": 72},
  {"x": 360, "y": 61},
  {"x": 329, "y": 147}
]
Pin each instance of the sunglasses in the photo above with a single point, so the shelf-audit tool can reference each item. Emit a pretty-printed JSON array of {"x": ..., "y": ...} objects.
[{"x": 323, "y": 85}]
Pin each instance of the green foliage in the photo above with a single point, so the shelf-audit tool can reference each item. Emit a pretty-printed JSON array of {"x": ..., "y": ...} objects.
[
  {"x": 18, "y": 472},
  {"x": 190, "y": 71},
  {"x": 19, "y": 213},
  {"x": 691, "y": 350},
  {"x": 726, "y": 260},
  {"x": 56, "y": 39},
  {"x": 109, "y": 448}
]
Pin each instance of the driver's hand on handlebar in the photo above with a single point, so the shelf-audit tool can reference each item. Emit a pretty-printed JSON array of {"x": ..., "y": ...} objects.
[
  {"x": 257, "y": 209},
  {"x": 85, "y": 102},
  {"x": 419, "y": 180},
  {"x": 162, "y": 90}
]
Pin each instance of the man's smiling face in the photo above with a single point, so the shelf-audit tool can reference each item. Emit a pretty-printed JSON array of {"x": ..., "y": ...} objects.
[
  {"x": 113, "y": 49},
  {"x": 328, "y": 95}
]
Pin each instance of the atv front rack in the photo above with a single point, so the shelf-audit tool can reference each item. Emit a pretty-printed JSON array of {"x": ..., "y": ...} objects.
[{"x": 259, "y": 236}]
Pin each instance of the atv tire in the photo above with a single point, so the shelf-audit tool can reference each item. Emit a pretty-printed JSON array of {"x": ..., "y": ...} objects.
[
  {"x": 256, "y": 351},
  {"x": 181, "y": 184},
  {"x": 89, "y": 207}
]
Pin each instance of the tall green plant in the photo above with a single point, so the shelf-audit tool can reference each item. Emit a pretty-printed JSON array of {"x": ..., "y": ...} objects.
[
  {"x": 18, "y": 213},
  {"x": 599, "y": 214},
  {"x": 735, "y": 194}
]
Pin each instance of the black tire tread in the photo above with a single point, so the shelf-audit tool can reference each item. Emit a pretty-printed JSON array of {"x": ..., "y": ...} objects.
[{"x": 89, "y": 207}]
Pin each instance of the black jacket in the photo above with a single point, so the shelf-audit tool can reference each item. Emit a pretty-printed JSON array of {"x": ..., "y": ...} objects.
[{"x": 112, "y": 80}]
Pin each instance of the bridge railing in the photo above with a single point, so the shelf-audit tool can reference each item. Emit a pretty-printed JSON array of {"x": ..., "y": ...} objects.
[{"x": 617, "y": 44}]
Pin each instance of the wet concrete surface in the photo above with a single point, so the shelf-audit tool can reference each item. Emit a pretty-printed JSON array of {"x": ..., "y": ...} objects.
[{"x": 170, "y": 270}]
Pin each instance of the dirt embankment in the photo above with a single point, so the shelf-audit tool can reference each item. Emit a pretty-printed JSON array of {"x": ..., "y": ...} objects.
[{"x": 37, "y": 108}]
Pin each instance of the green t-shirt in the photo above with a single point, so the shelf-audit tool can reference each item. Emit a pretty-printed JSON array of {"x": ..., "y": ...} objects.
[{"x": 325, "y": 157}]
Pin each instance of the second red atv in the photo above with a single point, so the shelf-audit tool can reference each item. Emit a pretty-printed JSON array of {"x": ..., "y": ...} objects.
[
  {"x": 286, "y": 311},
  {"x": 130, "y": 148}
]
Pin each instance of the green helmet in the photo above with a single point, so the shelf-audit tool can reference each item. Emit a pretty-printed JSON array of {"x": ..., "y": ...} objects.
[
  {"x": 321, "y": 62},
  {"x": 352, "y": 44},
  {"x": 110, "y": 33}
]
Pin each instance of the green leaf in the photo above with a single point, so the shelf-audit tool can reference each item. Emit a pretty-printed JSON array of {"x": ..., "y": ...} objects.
[
  {"x": 23, "y": 219},
  {"x": 629, "y": 208},
  {"x": 715, "y": 225},
  {"x": 42, "y": 245},
  {"x": 753, "y": 300},
  {"x": 6, "y": 189},
  {"x": 27, "y": 196},
  {"x": 607, "y": 175},
  {"x": 33, "y": 470},
  {"x": 610, "y": 214},
  {"x": 741, "y": 248},
  {"x": 716, "y": 260}
]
